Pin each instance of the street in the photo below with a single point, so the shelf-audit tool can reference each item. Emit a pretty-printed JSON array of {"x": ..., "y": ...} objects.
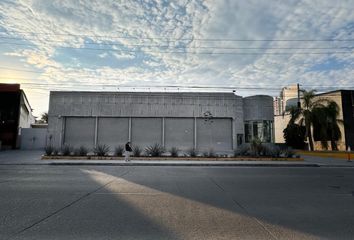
[{"x": 114, "y": 202}]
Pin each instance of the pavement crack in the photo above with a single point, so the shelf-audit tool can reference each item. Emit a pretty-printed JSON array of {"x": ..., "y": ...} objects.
[
  {"x": 244, "y": 209},
  {"x": 67, "y": 206}
]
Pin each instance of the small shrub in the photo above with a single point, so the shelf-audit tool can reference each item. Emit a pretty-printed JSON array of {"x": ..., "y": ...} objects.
[
  {"x": 48, "y": 150},
  {"x": 243, "y": 150},
  {"x": 101, "y": 150},
  {"x": 288, "y": 152},
  {"x": 271, "y": 151},
  {"x": 256, "y": 147},
  {"x": 155, "y": 150},
  {"x": 211, "y": 153},
  {"x": 205, "y": 154},
  {"x": 174, "y": 152},
  {"x": 118, "y": 151},
  {"x": 55, "y": 152},
  {"x": 137, "y": 151},
  {"x": 192, "y": 152},
  {"x": 66, "y": 150},
  {"x": 81, "y": 151}
]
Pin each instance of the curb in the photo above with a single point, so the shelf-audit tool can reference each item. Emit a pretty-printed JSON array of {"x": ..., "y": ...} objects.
[{"x": 185, "y": 164}]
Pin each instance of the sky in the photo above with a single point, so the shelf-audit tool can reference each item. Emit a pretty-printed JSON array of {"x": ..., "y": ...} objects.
[{"x": 254, "y": 46}]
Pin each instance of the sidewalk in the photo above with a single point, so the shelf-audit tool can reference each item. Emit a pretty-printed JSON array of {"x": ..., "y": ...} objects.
[
  {"x": 21, "y": 157},
  {"x": 182, "y": 163},
  {"x": 328, "y": 162}
]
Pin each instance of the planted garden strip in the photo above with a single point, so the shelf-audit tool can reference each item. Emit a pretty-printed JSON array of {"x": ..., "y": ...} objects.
[{"x": 170, "y": 158}]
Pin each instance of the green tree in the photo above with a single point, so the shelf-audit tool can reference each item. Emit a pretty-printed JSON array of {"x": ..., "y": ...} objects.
[
  {"x": 321, "y": 114},
  {"x": 294, "y": 136},
  {"x": 305, "y": 114},
  {"x": 332, "y": 110},
  {"x": 44, "y": 118},
  {"x": 326, "y": 125}
]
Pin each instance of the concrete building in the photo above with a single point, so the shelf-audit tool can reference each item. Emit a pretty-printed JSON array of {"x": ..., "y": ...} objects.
[
  {"x": 345, "y": 101},
  {"x": 287, "y": 97},
  {"x": 184, "y": 120},
  {"x": 15, "y": 114}
]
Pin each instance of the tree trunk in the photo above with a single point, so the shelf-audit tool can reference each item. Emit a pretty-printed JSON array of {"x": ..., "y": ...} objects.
[
  {"x": 309, "y": 136},
  {"x": 334, "y": 146},
  {"x": 308, "y": 131}
]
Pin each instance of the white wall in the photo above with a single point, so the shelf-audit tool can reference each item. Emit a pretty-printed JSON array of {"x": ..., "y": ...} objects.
[{"x": 33, "y": 138}]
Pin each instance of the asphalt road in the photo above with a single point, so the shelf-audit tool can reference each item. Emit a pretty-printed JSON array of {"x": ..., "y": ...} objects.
[{"x": 107, "y": 202}]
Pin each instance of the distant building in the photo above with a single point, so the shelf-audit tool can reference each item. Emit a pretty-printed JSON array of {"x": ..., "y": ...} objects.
[
  {"x": 287, "y": 97},
  {"x": 218, "y": 121},
  {"x": 15, "y": 114}
]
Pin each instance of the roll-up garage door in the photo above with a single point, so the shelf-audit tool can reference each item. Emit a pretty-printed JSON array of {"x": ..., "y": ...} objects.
[
  {"x": 112, "y": 131},
  {"x": 215, "y": 133},
  {"x": 179, "y": 132},
  {"x": 146, "y": 131},
  {"x": 79, "y": 131}
]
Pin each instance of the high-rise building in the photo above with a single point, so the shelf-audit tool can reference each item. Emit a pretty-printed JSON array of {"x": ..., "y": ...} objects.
[{"x": 287, "y": 97}]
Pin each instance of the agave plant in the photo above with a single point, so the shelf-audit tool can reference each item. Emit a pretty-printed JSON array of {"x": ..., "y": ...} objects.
[
  {"x": 101, "y": 150},
  {"x": 155, "y": 150},
  {"x": 48, "y": 150},
  {"x": 118, "y": 151},
  {"x": 81, "y": 151},
  {"x": 211, "y": 153},
  {"x": 242, "y": 150},
  {"x": 55, "y": 152},
  {"x": 174, "y": 152},
  {"x": 137, "y": 151},
  {"x": 66, "y": 150},
  {"x": 192, "y": 152}
]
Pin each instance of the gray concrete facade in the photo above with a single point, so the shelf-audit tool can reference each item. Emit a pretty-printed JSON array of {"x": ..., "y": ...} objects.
[{"x": 183, "y": 120}]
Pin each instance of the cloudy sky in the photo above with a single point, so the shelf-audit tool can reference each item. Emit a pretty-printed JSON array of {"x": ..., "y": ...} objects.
[{"x": 255, "y": 46}]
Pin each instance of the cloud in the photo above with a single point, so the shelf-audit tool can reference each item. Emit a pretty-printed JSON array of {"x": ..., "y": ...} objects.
[{"x": 180, "y": 42}]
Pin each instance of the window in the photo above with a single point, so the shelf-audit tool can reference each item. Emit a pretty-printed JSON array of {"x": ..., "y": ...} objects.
[
  {"x": 248, "y": 132},
  {"x": 259, "y": 129}
]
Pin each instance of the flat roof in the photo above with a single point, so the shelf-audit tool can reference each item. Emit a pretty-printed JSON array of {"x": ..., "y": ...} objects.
[{"x": 148, "y": 93}]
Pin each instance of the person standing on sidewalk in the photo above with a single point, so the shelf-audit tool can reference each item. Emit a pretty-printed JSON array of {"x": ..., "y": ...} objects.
[{"x": 128, "y": 150}]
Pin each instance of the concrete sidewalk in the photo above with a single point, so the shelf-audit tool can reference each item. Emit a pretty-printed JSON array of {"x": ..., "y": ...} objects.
[{"x": 182, "y": 163}]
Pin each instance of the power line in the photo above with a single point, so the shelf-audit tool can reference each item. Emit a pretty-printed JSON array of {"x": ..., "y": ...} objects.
[
  {"x": 176, "y": 47},
  {"x": 182, "y": 39},
  {"x": 197, "y": 53},
  {"x": 244, "y": 87}
]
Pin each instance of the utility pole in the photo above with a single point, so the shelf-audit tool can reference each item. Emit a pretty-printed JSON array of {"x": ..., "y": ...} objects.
[{"x": 298, "y": 96}]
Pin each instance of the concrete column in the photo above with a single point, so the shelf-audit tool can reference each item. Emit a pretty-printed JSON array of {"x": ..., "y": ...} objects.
[
  {"x": 62, "y": 131},
  {"x": 234, "y": 136},
  {"x": 130, "y": 129},
  {"x": 195, "y": 132},
  {"x": 163, "y": 132},
  {"x": 96, "y": 130}
]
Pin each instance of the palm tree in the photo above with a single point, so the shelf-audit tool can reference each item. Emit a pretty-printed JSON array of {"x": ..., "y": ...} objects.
[
  {"x": 332, "y": 112},
  {"x": 320, "y": 114},
  {"x": 294, "y": 112},
  {"x": 306, "y": 114}
]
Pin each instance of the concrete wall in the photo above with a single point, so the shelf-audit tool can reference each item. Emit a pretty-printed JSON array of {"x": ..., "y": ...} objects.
[
  {"x": 33, "y": 138},
  {"x": 171, "y": 119},
  {"x": 259, "y": 107},
  {"x": 280, "y": 123}
]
